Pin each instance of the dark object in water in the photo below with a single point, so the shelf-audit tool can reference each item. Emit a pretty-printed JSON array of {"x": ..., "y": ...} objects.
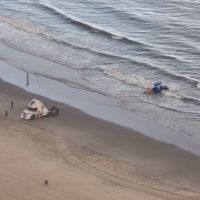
[
  {"x": 164, "y": 87},
  {"x": 157, "y": 88}
]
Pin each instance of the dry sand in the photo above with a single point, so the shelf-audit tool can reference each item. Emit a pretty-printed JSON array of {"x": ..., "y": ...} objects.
[{"x": 86, "y": 158}]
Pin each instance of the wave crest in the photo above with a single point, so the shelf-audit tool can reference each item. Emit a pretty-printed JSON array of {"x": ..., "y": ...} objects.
[
  {"x": 22, "y": 24},
  {"x": 88, "y": 26}
]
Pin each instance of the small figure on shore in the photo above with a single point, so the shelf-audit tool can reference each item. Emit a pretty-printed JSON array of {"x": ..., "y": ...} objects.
[
  {"x": 12, "y": 104},
  {"x": 46, "y": 182},
  {"x": 27, "y": 79},
  {"x": 6, "y": 113}
]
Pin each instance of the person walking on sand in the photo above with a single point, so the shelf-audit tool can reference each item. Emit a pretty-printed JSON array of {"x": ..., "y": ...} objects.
[
  {"x": 12, "y": 104},
  {"x": 6, "y": 113},
  {"x": 46, "y": 182},
  {"x": 27, "y": 79}
]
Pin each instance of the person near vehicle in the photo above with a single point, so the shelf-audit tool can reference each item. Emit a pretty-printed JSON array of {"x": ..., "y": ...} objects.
[
  {"x": 12, "y": 104},
  {"x": 6, "y": 113}
]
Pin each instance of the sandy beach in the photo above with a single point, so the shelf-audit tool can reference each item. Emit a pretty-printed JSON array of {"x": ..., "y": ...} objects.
[
  {"x": 86, "y": 158},
  {"x": 95, "y": 60}
]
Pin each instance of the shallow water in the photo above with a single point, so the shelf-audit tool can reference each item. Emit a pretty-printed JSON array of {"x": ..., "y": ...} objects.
[{"x": 116, "y": 48}]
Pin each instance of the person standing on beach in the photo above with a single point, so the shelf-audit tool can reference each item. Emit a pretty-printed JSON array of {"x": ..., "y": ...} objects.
[
  {"x": 46, "y": 182},
  {"x": 6, "y": 113},
  {"x": 27, "y": 79},
  {"x": 12, "y": 104}
]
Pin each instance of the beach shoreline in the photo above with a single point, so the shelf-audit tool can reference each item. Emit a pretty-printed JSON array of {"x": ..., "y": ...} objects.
[
  {"x": 96, "y": 105},
  {"x": 94, "y": 60},
  {"x": 113, "y": 153}
]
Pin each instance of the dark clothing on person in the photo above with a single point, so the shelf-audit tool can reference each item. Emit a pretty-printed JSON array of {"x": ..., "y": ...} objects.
[
  {"x": 6, "y": 113},
  {"x": 27, "y": 79},
  {"x": 12, "y": 104}
]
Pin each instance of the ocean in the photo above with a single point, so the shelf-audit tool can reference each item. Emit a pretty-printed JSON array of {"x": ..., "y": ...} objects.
[{"x": 115, "y": 48}]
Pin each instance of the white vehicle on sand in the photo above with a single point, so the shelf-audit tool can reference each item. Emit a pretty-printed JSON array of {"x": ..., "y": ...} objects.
[{"x": 36, "y": 109}]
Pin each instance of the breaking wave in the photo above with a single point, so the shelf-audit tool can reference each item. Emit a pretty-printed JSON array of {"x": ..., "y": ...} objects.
[
  {"x": 88, "y": 26},
  {"x": 143, "y": 83},
  {"x": 30, "y": 28},
  {"x": 132, "y": 79}
]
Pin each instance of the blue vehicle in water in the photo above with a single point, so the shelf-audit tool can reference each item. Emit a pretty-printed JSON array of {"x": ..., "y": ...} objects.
[{"x": 157, "y": 88}]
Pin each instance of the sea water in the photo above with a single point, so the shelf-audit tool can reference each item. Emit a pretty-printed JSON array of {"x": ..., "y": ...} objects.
[{"x": 113, "y": 48}]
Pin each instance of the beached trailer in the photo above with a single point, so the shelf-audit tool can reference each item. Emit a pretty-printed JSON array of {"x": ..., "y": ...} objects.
[{"x": 36, "y": 109}]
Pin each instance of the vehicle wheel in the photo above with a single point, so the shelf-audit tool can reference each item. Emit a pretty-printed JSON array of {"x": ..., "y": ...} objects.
[{"x": 32, "y": 117}]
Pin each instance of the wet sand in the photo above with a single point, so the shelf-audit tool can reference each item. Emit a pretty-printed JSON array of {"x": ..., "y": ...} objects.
[{"x": 83, "y": 157}]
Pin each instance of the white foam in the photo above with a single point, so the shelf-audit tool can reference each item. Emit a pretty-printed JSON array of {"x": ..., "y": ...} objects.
[
  {"x": 22, "y": 24},
  {"x": 129, "y": 79}
]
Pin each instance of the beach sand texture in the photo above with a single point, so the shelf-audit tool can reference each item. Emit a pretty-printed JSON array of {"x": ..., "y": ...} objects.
[{"x": 86, "y": 158}]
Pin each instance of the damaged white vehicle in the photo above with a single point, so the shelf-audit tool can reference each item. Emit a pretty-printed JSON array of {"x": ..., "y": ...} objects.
[{"x": 36, "y": 109}]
